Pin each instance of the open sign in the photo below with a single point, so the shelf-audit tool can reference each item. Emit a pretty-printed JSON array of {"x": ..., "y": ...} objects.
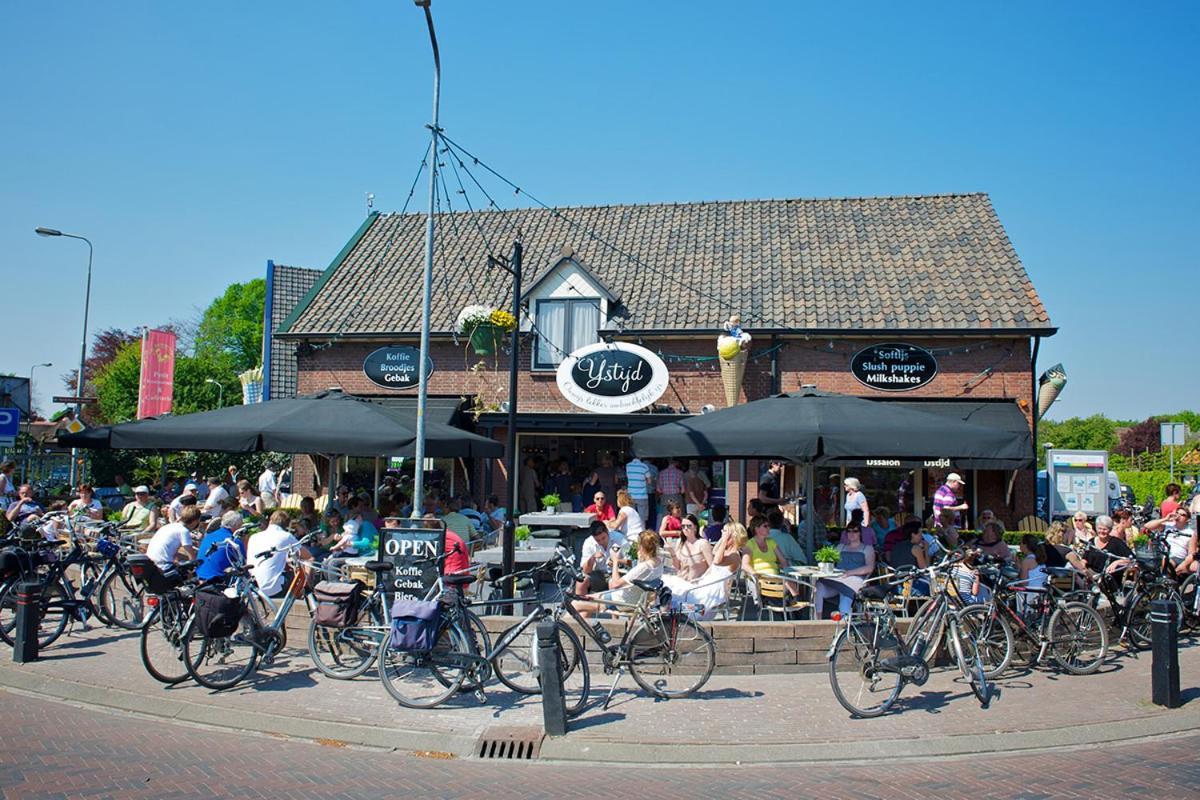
[{"x": 411, "y": 549}]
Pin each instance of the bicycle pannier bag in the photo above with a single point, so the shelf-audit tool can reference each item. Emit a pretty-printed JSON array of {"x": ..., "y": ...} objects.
[
  {"x": 217, "y": 614},
  {"x": 337, "y": 603},
  {"x": 414, "y": 624}
]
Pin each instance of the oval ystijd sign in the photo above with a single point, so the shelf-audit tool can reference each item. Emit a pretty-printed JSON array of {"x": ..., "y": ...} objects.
[
  {"x": 614, "y": 378},
  {"x": 395, "y": 367},
  {"x": 893, "y": 367}
]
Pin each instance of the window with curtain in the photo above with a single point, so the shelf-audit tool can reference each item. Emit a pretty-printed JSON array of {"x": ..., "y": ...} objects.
[{"x": 563, "y": 327}]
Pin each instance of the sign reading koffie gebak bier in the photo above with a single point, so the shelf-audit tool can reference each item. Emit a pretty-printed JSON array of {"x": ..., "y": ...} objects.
[
  {"x": 410, "y": 548},
  {"x": 612, "y": 378},
  {"x": 395, "y": 367},
  {"x": 893, "y": 367}
]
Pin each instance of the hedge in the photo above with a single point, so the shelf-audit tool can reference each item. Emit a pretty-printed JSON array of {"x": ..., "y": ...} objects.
[{"x": 1148, "y": 483}]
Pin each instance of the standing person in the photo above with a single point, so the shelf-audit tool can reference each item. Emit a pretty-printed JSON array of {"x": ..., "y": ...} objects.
[
  {"x": 560, "y": 482},
  {"x": 637, "y": 477},
  {"x": 856, "y": 501},
  {"x": 7, "y": 489},
  {"x": 216, "y": 494},
  {"x": 140, "y": 514},
  {"x": 652, "y": 499},
  {"x": 715, "y": 528},
  {"x": 770, "y": 493},
  {"x": 672, "y": 523},
  {"x": 175, "y": 538},
  {"x": 946, "y": 498},
  {"x": 670, "y": 484},
  {"x": 1171, "y": 501},
  {"x": 268, "y": 486},
  {"x": 695, "y": 488},
  {"x": 606, "y": 475},
  {"x": 530, "y": 485},
  {"x": 86, "y": 503}
]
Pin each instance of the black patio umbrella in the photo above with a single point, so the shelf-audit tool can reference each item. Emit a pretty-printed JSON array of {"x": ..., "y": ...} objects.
[
  {"x": 327, "y": 422},
  {"x": 825, "y": 428}
]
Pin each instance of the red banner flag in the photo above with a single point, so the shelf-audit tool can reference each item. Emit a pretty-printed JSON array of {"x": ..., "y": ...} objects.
[{"x": 157, "y": 388}]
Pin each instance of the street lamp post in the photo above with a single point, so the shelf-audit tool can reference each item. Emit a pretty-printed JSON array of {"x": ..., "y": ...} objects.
[
  {"x": 87, "y": 301},
  {"x": 220, "y": 391},
  {"x": 31, "y": 369},
  {"x": 427, "y": 276}
]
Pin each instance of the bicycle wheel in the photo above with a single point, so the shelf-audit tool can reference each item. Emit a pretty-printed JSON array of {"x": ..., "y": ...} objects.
[
  {"x": 52, "y": 618},
  {"x": 992, "y": 635},
  {"x": 928, "y": 623},
  {"x": 970, "y": 664},
  {"x": 1188, "y": 599},
  {"x": 428, "y": 678},
  {"x": 518, "y": 666},
  {"x": 1141, "y": 630},
  {"x": 345, "y": 653},
  {"x": 671, "y": 656},
  {"x": 859, "y": 683},
  {"x": 219, "y": 662},
  {"x": 1078, "y": 638},
  {"x": 122, "y": 601},
  {"x": 481, "y": 641},
  {"x": 162, "y": 648}
]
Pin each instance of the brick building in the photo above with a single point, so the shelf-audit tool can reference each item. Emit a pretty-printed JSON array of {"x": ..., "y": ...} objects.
[{"x": 814, "y": 281}]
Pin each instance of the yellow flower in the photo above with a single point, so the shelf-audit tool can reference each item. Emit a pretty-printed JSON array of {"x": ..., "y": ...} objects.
[{"x": 503, "y": 320}]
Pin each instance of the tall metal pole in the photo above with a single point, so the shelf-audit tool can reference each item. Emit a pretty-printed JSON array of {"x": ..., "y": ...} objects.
[
  {"x": 427, "y": 277},
  {"x": 510, "y": 526}
]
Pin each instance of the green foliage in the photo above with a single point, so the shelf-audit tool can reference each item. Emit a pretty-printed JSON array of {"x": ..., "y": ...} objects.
[
  {"x": 551, "y": 500},
  {"x": 117, "y": 385},
  {"x": 826, "y": 555},
  {"x": 1014, "y": 537},
  {"x": 231, "y": 329},
  {"x": 1149, "y": 483},
  {"x": 1096, "y": 432},
  {"x": 145, "y": 466},
  {"x": 521, "y": 533}
]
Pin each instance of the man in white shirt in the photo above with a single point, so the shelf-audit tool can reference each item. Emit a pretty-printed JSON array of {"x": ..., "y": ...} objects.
[
  {"x": 176, "y": 507},
  {"x": 171, "y": 539},
  {"x": 216, "y": 494},
  {"x": 277, "y": 541},
  {"x": 268, "y": 486},
  {"x": 594, "y": 558}
]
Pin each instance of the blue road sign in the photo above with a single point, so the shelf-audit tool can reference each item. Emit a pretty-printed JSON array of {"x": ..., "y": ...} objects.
[{"x": 10, "y": 424}]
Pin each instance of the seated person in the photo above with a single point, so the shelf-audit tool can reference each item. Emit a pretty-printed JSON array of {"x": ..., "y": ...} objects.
[
  {"x": 1181, "y": 539},
  {"x": 86, "y": 504},
  {"x": 711, "y": 590},
  {"x": 620, "y": 587},
  {"x": 140, "y": 514},
  {"x": 1106, "y": 554},
  {"x": 991, "y": 542},
  {"x": 214, "y": 550},
  {"x": 899, "y": 537},
  {"x": 1032, "y": 567},
  {"x": 857, "y": 562},
  {"x": 600, "y": 506},
  {"x": 495, "y": 512},
  {"x": 1057, "y": 553},
  {"x": 308, "y": 513},
  {"x": 629, "y": 520},
  {"x": 787, "y": 544},
  {"x": 177, "y": 505},
  {"x": 174, "y": 539},
  {"x": 596, "y": 556},
  {"x": 693, "y": 556},
  {"x": 945, "y": 529},
  {"x": 881, "y": 525},
  {"x": 672, "y": 522},
  {"x": 965, "y": 575},
  {"x": 24, "y": 507},
  {"x": 715, "y": 528},
  {"x": 763, "y": 556},
  {"x": 267, "y": 553}
]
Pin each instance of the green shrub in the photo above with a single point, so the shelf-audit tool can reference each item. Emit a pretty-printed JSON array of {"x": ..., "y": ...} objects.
[{"x": 1146, "y": 483}]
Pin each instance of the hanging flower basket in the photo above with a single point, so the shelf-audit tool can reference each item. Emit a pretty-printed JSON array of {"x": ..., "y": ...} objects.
[{"x": 484, "y": 337}]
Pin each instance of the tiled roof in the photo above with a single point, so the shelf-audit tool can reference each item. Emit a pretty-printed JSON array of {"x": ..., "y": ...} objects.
[
  {"x": 939, "y": 262},
  {"x": 289, "y": 285}
]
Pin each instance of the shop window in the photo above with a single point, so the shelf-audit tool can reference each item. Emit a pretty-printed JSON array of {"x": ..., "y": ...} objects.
[{"x": 564, "y": 326}]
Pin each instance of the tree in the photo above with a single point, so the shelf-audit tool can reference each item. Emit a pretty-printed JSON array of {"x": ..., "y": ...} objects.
[
  {"x": 1141, "y": 437},
  {"x": 233, "y": 325},
  {"x": 118, "y": 383},
  {"x": 105, "y": 346},
  {"x": 1096, "y": 432}
]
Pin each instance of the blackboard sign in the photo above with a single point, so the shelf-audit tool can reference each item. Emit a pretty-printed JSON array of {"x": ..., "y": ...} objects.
[
  {"x": 415, "y": 540},
  {"x": 612, "y": 378},
  {"x": 893, "y": 367},
  {"x": 395, "y": 367}
]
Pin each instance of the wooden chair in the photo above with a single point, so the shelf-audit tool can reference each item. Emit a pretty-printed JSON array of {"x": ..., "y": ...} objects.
[
  {"x": 774, "y": 597},
  {"x": 1032, "y": 524}
]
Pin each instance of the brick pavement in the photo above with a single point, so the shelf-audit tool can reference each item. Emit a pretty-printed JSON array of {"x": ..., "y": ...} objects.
[{"x": 54, "y": 750}]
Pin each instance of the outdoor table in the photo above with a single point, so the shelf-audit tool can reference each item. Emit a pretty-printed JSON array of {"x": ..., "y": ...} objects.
[
  {"x": 571, "y": 529},
  {"x": 547, "y": 591},
  {"x": 807, "y": 576}
]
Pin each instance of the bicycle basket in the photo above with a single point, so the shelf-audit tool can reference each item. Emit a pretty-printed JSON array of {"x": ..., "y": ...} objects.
[
  {"x": 414, "y": 624},
  {"x": 337, "y": 603},
  {"x": 217, "y": 614}
]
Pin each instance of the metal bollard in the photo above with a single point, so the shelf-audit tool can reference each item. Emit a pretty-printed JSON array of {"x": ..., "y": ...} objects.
[
  {"x": 554, "y": 706},
  {"x": 1164, "y": 668},
  {"x": 25, "y": 630}
]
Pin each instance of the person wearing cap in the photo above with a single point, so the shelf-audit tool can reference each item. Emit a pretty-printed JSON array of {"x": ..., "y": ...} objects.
[
  {"x": 176, "y": 507},
  {"x": 140, "y": 514},
  {"x": 946, "y": 497}
]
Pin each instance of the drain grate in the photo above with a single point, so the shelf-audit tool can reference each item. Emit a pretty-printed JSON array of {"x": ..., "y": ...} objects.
[{"x": 511, "y": 742}]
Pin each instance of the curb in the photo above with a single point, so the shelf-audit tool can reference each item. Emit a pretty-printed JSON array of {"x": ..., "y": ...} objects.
[{"x": 583, "y": 749}]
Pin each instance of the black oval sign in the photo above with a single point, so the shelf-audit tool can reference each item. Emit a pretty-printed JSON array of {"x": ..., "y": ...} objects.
[
  {"x": 395, "y": 367},
  {"x": 612, "y": 373},
  {"x": 893, "y": 367}
]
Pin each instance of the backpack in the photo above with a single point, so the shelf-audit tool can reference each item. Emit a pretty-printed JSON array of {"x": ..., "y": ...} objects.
[
  {"x": 337, "y": 603},
  {"x": 217, "y": 614},
  {"x": 415, "y": 624}
]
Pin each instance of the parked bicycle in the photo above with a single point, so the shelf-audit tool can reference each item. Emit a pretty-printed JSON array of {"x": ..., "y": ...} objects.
[
  {"x": 1130, "y": 590},
  {"x": 168, "y": 598}
]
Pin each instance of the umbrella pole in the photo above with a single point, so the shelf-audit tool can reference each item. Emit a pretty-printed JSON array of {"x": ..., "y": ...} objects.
[
  {"x": 810, "y": 506},
  {"x": 378, "y": 477},
  {"x": 331, "y": 483}
]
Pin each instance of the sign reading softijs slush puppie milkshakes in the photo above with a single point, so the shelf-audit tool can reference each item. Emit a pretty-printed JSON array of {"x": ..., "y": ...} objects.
[
  {"x": 395, "y": 367},
  {"x": 612, "y": 378},
  {"x": 893, "y": 367}
]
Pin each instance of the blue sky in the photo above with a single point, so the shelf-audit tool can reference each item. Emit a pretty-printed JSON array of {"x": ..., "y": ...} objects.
[{"x": 192, "y": 142}]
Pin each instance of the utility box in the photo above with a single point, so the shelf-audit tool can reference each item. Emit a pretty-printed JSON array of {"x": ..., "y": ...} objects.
[{"x": 1077, "y": 480}]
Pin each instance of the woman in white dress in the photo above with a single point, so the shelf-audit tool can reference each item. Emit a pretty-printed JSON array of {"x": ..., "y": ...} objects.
[{"x": 711, "y": 590}]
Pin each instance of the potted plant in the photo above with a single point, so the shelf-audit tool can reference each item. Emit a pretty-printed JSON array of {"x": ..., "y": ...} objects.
[
  {"x": 1141, "y": 545},
  {"x": 826, "y": 558},
  {"x": 521, "y": 536},
  {"x": 485, "y": 325},
  {"x": 550, "y": 502}
]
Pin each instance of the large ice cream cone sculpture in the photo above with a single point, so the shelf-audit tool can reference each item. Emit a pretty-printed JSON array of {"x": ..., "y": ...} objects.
[
  {"x": 732, "y": 372},
  {"x": 1049, "y": 386}
]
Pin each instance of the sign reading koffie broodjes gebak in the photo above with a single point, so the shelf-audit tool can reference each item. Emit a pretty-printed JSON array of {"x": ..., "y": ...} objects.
[
  {"x": 893, "y": 367},
  {"x": 409, "y": 548},
  {"x": 395, "y": 367},
  {"x": 615, "y": 378}
]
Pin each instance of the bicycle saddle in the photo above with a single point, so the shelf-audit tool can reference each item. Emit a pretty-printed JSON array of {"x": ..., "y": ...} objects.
[
  {"x": 458, "y": 580},
  {"x": 380, "y": 566},
  {"x": 873, "y": 592},
  {"x": 1060, "y": 572},
  {"x": 648, "y": 586}
]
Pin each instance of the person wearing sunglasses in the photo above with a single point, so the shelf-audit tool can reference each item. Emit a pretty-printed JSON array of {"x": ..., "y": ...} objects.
[{"x": 1181, "y": 539}]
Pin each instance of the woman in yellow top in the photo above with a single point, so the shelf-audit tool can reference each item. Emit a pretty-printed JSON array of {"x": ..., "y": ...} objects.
[{"x": 762, "y": 556}]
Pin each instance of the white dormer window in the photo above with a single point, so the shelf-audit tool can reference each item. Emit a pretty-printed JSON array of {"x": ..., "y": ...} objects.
[
  {"x": 564, "y": 326},
  {"x": 568, "y": 305}
]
